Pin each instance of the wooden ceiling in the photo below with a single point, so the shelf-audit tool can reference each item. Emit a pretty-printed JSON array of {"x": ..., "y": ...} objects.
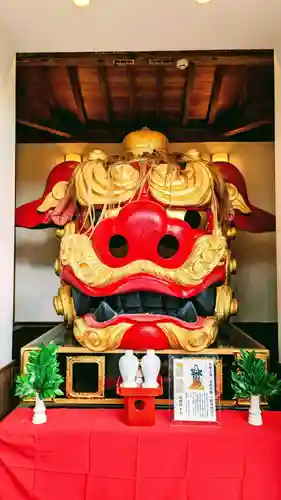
[{"x": 99, "y": 97}]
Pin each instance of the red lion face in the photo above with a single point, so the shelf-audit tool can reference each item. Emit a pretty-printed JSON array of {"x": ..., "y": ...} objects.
[{"x": 144, "y": 259}]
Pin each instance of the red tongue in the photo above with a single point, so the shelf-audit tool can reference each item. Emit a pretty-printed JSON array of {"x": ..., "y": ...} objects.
[{"x": 142, "y": 337}]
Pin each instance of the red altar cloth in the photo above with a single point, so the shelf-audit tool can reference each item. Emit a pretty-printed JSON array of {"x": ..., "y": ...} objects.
[{"x": 91, "y": 455}]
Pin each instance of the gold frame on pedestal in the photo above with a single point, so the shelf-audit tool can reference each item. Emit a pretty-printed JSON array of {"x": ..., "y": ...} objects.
[
  {"x": 59, "y": 335},
  {"x": 98, "y": 360}
]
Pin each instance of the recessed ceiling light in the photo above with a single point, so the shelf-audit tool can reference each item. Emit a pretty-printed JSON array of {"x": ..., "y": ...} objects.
[
  {"x": 203, "y": 1},
  {"x": 81, "y": 3}
]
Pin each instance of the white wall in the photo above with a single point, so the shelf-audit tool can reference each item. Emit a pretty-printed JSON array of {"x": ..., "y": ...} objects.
[
  {"x": 7, "y": 200},
  {"x": 255, "y": 282},
  {"x": 54, "y": 26},
  {"x": 277, "y": 86},
  {"x": 36, "y": 283}
]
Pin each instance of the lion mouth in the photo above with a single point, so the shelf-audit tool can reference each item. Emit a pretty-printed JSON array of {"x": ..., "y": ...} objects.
[{"x": 105, "y": 309}]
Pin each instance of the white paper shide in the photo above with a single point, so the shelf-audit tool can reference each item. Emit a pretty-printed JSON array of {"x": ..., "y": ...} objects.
[{"x": 194, "y": 389}]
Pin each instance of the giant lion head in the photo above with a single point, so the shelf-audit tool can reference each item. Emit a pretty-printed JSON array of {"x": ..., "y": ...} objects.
[{"x": 144, "y": 258}]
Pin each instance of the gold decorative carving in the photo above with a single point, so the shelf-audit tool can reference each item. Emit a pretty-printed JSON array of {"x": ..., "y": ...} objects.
[
  {"x": 70, "y": 361},
  {"x": 144, "y": 141},
  {"x": 237, "y": 200},
  {"x": 53, "y": 198},
  {"x": 60, "y": 233},
  {"x": 192, "y": 186},
  {"x": 99, "y": 183},
  {"x": 99, "y": 339},
  {"x": 232, "y": 265},
  {"x": 219, "y": 379},
  {"x": 97, "y": 155},
  {"x": 109, "y": 337},
  {"x": 95, "y": 184},
  {"x": 77, "y": 251},
  {"x": 64, "y": 305},
  {"x": 226, "y": 305},
  {"x": 190, "y": 340},
  {"x": 233, "y": 307},
  {"x": 231, "y": 233},
  {"x": 69, "y": 228},
  {"x": 57, "y": 267}
]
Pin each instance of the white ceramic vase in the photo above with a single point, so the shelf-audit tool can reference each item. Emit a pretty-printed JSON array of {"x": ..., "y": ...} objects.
[
  {"x": 255, "y": 417},
  {"x": 39, "y": 412},
  {"x": 128, "y": 366},
  {"x": 150, "y": 365}
]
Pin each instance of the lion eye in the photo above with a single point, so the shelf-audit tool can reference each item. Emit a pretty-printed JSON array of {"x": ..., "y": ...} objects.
[
  {"x": 193, "y": 218},
  {"x": 196, "y": 219}
]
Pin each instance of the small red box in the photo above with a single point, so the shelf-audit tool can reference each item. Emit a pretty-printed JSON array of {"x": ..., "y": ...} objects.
[{"x": 139, "y": 403}]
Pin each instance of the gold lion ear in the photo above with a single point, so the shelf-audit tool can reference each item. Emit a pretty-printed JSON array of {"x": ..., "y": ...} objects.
[
  {"x": 237, "y": 200},
  {"x": 53, "y": 198}
]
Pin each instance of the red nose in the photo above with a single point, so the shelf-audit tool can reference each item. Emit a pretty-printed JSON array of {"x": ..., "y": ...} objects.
[{"x": 142, "y": 231}]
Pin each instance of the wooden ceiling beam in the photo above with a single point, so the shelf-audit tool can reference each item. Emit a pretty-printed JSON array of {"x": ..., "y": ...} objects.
[
  {"x": 115, "y": 134},
  {"x": 105, "y": 93},
  {"x": 98, "y": 59},
  {"x": 246, "y": 128},
  {"x": 77, "y": 93},
  {"x": 132, "y": 91},
  {"x": 246, "y": 118},
  {"x": 44, "y": 128},
  {"x": 47, "y": 87},
  {"x": 214, "y": 97},
  {"x": 188, "y": 86},
  {"x": 159, "y": 90}
]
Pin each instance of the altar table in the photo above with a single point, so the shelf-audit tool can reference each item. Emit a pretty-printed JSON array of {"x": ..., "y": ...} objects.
[{"x": 84, "y": 454}]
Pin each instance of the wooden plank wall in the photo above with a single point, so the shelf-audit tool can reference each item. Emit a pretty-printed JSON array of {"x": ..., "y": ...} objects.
[{"x": 6, "y": 383}]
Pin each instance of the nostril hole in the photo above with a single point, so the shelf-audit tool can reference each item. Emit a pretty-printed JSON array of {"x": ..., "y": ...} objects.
[
  {"x": 168, "y": 246},
  {"x": 118, "y": 246}
]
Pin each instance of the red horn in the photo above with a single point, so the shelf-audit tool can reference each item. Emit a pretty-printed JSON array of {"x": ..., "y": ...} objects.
[
  {"x": 29, "y": 216},
  {"x": 257, "y": 220}
]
